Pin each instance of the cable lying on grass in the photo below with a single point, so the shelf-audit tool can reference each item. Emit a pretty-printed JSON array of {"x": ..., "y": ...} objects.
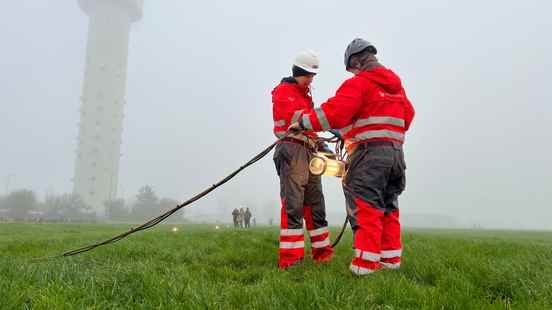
[{"x": 162, "y": 217}]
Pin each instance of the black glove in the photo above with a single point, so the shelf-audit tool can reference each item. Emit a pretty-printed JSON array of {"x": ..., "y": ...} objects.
[
  {"x": 336, "y": 133},
  {"x": 324, "y": 148}
]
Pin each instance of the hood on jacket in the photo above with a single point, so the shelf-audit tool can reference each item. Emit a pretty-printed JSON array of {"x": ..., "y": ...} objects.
[
  {"x": 384, "y": 78},
  {"x": 290, "y": 81}
]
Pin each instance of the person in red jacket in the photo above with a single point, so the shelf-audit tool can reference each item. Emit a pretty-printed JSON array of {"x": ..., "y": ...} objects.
[
  {"x": 300, "y": 192},
  {"x": 372, "y": 114}
]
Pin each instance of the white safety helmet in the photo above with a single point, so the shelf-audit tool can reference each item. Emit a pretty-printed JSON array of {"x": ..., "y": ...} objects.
[{"x": 308, "y": 61}]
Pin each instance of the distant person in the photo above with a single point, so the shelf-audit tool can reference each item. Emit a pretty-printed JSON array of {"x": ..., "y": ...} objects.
[
  {"x": 374, "y": 103},
  {"x": 241, "y": 217},
  {"x": 247, "y": 218},
  {"x": 235, "y": 217},
  {"x": 300, "y": 191},
  {"x": 254, "y": 221}
]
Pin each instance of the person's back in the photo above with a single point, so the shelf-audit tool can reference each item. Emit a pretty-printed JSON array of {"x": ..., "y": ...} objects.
[
  {"x": 235, "y": 215},
  {"x": 374, "y": 113},
  {"x": 247, "y": 217},
  {"x": 241, "y": 218}
]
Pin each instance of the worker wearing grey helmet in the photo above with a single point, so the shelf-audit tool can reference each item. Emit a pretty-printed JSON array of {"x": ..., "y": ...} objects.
[{"x": 372, "y": 113}]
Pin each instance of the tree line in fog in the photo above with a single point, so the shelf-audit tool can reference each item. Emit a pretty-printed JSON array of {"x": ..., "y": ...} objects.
[{"x": 24, "y": 205}]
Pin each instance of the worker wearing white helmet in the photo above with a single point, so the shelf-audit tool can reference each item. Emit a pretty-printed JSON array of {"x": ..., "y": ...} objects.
[
  {"x": 300, "y": 191},
  {"x": 308, "y": 61}
]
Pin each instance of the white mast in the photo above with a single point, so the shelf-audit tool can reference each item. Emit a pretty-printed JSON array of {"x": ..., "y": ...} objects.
[{"x": 103, "y": 98}]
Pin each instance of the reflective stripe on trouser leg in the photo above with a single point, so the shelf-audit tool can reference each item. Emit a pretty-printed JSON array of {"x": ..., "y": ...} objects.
[
  {"x": 364, "y": 262},
  {"x": 315, "y": 218},
  {"x": 320, "y": 238},
  {"x": 391, "y": 241},
  {"x": 293, "y": 178},
  {"x": 366, "y": 187},
  {"x": 367, "y": 237},
  {"x": 292, "y": 241}
]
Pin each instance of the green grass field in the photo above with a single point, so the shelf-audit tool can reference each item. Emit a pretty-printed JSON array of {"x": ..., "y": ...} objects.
[{"x": 201, "y": 267}]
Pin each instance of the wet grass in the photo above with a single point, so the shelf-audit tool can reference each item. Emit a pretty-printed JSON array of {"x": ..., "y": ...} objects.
[{"x": 202, "y": 267}]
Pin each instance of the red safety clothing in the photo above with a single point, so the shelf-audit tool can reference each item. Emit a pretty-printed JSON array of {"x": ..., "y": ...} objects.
[
  {"x": 370, "y": 106},
  {"x": 290, "y": 101},
  {"x": 372, "y": 113},
  {"x": 300, "y": 192}
]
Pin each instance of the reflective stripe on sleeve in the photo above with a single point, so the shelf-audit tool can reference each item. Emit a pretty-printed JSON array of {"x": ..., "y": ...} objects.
[
  {"x": 306, "y": 122},
  {"x": 343, "y": 131},
  {"x": 322, "y": 119},
  {"x": 280, "y": 123},
  {"x": 296, "y": 116}
]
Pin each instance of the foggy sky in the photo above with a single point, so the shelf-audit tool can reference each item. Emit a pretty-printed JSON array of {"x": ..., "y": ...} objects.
[{"x": 198, "y": 91}]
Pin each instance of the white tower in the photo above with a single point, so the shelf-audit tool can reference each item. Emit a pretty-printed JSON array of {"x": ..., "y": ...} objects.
[{"x": 103, "y": 99}]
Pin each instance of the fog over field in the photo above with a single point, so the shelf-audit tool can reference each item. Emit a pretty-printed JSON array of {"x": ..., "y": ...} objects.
[{"x": 198, "y": 105}]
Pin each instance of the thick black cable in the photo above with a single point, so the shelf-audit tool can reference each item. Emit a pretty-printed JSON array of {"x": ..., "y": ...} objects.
[
  {"x": 165, "y": 215},
  {"x": 343, "y": 228},
  {"x": 156, "y": 220}
]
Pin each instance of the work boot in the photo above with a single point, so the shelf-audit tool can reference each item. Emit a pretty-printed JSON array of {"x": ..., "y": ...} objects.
[
  {"x": 287, "y": 265},
  {"x": 362, "y": 268},
  {"x": 325, "y": 257}
]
